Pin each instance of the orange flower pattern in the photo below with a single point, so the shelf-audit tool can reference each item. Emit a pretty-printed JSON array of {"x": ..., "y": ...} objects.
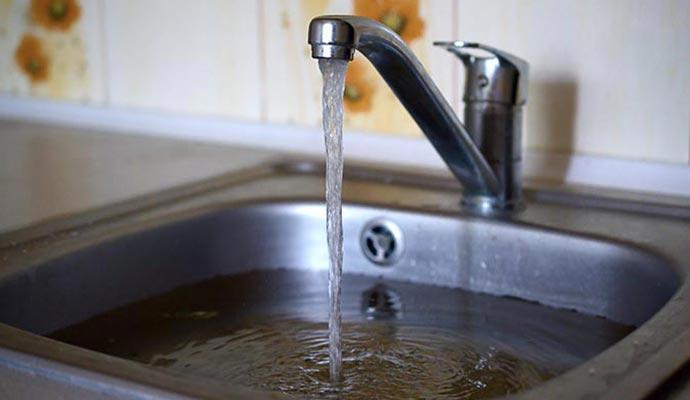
[
  {"x": 402, "y": 16},
  {"x": 55, "y": 14},
  {"x": 358, "y": 90},
  {"x": 32, "y": 59}
]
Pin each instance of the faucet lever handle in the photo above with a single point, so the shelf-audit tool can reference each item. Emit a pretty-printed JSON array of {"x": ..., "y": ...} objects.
[{"x": 500, "y": 78}]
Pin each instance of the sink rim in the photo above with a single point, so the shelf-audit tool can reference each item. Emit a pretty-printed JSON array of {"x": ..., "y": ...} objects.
[{"x": 634, "y": 384}]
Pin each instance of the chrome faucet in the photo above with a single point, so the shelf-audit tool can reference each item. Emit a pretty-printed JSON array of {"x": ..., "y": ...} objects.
[{"x": 487, "y": 162}]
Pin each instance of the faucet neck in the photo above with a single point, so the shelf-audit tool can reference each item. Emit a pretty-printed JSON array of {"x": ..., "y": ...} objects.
[
  {"x": 495, "y": 93},
  {"x": 339, "y": 36}
]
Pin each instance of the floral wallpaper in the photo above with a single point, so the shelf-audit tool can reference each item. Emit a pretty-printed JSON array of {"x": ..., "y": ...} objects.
[
  {"x": 31, "y": 58},
  {"x": 45, "y": 49},
  {"x": 249, "y": 60},
  {"x": 367, "y": 97},
  {"x": 55, "y": 15},
  {"x": 402, "y": 16}
]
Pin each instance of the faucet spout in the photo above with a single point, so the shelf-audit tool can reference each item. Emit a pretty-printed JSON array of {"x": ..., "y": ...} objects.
[
  {"x": 332, "y": 38},
  {"x": 337, "y": 37}
]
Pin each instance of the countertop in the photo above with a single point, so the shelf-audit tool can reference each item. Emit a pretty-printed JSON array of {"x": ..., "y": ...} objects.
[{"x": 50, "y": 171}]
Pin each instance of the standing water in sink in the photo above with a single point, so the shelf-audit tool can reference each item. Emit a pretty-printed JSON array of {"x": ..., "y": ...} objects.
[
  {"x": 333, "y": 87},
  {"x": 267, "y": 330}
]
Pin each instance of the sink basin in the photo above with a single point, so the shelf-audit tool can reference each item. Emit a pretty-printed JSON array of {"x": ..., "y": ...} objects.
[{"x": 601, "y": 256}]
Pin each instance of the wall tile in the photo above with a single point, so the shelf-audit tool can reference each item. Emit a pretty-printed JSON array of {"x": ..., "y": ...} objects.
[
  {"x": 185, "y": 56},
  {"x": 607, "y": 78},
  {"x": 294, "y": 82},
  {"x": 71, "y": 57}
]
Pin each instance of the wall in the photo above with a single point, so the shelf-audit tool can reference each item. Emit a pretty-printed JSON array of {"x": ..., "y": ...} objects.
[{"x": 608, "y": 78}]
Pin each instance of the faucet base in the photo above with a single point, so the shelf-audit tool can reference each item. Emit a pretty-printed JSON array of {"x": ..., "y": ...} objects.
[{"x": 488, "y": 205}]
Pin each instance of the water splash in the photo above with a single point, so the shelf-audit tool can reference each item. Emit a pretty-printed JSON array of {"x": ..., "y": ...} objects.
[{"x": 333, "y": 88}]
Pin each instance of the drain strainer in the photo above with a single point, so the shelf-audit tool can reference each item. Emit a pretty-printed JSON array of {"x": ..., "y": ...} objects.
[{"x": 382, "y": 241}]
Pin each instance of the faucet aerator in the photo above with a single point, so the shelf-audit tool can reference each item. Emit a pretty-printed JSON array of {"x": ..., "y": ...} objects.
[
  {"x": 332, "y": 52},
  {"x": 331, "y": 38}
]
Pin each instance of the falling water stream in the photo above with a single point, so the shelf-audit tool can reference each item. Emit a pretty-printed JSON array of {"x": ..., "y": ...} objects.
[{"x": 333, "y": 87}]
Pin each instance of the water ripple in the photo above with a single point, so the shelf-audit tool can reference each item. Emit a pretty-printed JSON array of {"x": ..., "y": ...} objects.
[{"x": 381, "y": 360}]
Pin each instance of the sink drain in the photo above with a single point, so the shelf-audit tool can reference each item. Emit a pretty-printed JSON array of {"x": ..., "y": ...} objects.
[{"x": 382, "y": 241}]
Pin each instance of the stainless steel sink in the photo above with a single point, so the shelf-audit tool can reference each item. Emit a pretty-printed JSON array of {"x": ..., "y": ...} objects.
[{"x": 625, "y": 260}]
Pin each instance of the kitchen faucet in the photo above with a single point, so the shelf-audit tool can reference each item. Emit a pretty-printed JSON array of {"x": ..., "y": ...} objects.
[{"x": 486, "y": 159}]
